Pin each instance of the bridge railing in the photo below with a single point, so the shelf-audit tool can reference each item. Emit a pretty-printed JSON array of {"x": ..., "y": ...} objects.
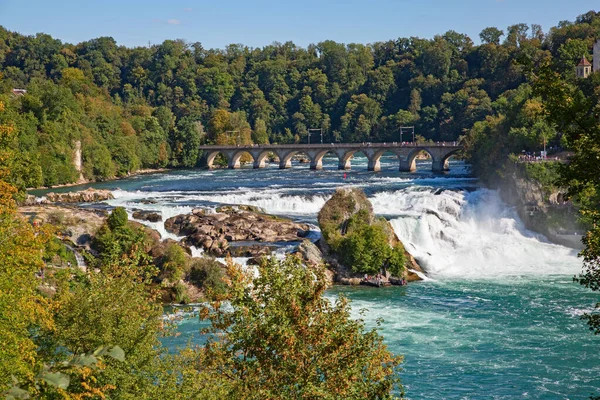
[{"x": 331, "y": 145}]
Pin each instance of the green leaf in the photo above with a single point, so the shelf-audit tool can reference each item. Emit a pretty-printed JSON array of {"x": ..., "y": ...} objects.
[
  {"x": 57, "y": 379},
  {"x": 117, "y": 353},
  {"x": 84, "y": 360},
  {"x": 17, "y": 393}
]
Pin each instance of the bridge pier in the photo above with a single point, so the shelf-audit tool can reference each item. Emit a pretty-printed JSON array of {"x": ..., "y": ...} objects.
[
  {"x": 439, "y": 165},
  {"x": 374, "y": 165},
  {"x": 234, "y": 163},
  {"x": 316, "y": 165},
  {"x": 345, "y": 165},
  {"x": 408, "y": 165}
]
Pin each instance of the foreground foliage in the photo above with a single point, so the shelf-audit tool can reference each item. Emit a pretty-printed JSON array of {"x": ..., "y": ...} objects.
[{"x": 277, "y": 337}]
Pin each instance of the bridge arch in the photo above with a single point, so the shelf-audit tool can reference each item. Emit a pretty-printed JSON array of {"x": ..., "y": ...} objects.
[
  {"x": 211, "y": 156},
  {"x": 285, "y": 157},
  {"x": 375, "y": 159},
  {"x": 316, "y": 158},
  {"x": 236, "y": 158},
  {"x": 440, "y": 163},
  {"x": 408, "y": 163},
  {"x": 260, "y": 158}
]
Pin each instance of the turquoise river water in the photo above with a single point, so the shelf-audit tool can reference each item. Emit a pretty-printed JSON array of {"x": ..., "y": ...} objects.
[{"x": 498, "y": 316}]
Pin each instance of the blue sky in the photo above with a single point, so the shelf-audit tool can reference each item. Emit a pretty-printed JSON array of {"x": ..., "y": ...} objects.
[{"x": 258, "y": 23}]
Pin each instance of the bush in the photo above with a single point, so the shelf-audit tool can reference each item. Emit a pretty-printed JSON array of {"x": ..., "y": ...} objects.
[
  {"x": 174, "y": 263},
  {"x": 207, "y": 273},
  {"x": 117, "y": 219},
  {"x": 180, "y": 293}
]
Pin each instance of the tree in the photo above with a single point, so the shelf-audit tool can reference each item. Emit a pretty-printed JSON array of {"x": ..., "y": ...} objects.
[
  {"x": 491, "y": 35},
  {"x": 575, "y": 109},
  {"x": 282, "y": 339},
  {"x": 22, "y": 308}
]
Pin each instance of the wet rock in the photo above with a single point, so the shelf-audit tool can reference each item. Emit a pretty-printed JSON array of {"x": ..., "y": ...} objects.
[
  {"x": 213, "y": 232},
  {"x": 150, "y": 216}
]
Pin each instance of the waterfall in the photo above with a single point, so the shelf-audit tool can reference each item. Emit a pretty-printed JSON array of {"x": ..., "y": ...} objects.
[
  {"x": 78, "y": 257},
  {"x": 470, "y": 234}
]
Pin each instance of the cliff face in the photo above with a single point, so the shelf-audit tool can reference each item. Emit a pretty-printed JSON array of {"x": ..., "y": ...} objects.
[{"x": 542, "y": 208}]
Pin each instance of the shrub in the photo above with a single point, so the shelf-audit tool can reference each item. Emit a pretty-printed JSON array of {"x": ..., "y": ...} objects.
[
  {"x": 174, "y": 262},
  {"x": 117, "y": 218},
  {"x": 208, "y": 274}
]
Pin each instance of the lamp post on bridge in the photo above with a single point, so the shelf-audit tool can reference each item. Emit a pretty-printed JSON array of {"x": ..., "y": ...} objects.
[
  {"x": 315, "y": 129},
  {"x": 412, "y": 128}
]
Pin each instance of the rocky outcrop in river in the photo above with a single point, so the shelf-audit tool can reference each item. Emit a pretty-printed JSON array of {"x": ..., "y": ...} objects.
[
  {"x": 335, "y": 221},
  {"x": 213, "y": 232}
]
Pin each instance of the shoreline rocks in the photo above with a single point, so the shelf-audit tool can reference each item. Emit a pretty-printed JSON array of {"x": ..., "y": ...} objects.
[{"x": 89, "y": 195}]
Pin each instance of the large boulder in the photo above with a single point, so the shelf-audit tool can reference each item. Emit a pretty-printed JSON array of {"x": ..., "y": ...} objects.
[
  {"x": 144, "y": 215},
  {"x": 310, "y": 253},
  {"x": 336, "y": 223},
  {"x": 213, "y": 232}
]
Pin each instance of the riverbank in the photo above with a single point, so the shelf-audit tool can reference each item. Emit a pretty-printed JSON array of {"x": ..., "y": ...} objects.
[{"x": 146, "y": 171}]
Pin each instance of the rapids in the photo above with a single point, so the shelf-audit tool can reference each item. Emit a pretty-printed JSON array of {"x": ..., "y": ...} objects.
[{"x": 499, "y": 316}]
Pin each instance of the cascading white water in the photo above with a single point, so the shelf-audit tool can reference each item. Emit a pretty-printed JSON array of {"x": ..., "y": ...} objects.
[
  {"x": 462, "y": 234},
  {"x": 453, "y": 233}
]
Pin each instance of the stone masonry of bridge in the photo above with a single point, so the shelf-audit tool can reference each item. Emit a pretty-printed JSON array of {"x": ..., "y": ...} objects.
[{"x": 406, "y": 153}]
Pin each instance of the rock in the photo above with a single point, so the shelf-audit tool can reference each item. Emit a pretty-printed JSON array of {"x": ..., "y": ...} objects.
[
  {"x": 89, "y": 195},
  {"x": 77, "y": 225},
  {"x": 213, "y": 232},
  {"x": 350, "y": 281},
  {"x": 152, "y": 234},
  {"x": 542, "y": 208},
  {"x": 334, "y": 220},
  {"x": 310, "y": 253},
  {"x": 150, "y": 216},
  {"x": 255, "y": 250}
]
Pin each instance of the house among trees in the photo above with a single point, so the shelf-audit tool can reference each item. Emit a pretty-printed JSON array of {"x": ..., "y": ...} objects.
[
  {"x": 19, "y": 92},
  {"x": 584, "y": 68}
]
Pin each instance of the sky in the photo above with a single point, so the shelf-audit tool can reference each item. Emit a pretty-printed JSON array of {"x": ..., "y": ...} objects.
[{"x": 258, "y": 23}]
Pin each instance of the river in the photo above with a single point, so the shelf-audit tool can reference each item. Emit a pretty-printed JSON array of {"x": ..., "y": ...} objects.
[{"x": 499, "y": 316}]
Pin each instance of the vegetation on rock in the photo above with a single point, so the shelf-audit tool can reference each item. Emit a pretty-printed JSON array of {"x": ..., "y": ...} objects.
[{"x": 360, "y": 241}]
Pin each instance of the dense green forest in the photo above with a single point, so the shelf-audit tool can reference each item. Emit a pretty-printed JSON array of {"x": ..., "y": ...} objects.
[{"x": 149, "y": 107}]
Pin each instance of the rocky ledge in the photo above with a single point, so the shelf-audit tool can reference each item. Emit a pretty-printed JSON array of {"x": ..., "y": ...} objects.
[
  {"x": 84, "y": 196},
  {"x": 213, "y": 232}
]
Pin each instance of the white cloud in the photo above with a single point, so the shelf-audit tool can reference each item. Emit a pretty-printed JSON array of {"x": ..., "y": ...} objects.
[
  {"x": 188, "y": 9},
  {"x": 173, "y": 21}
]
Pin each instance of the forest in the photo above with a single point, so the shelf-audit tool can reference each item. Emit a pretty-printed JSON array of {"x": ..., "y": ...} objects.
[{"x": 150, "y": 107}]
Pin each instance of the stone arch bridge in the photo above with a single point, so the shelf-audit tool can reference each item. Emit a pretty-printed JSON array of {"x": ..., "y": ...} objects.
[{"x": 406, "y": 152}]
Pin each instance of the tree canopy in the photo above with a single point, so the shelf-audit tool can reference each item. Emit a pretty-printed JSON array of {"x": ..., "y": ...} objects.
[{"x": 150, "y": 107}]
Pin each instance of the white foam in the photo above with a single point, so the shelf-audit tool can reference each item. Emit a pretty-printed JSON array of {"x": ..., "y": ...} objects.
[{"x": 460, "y": 234}]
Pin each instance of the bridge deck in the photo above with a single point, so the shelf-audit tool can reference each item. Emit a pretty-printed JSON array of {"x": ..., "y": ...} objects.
[
  {"x": 406, "y": 153},
  {"x": 393, "y": 145}
]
